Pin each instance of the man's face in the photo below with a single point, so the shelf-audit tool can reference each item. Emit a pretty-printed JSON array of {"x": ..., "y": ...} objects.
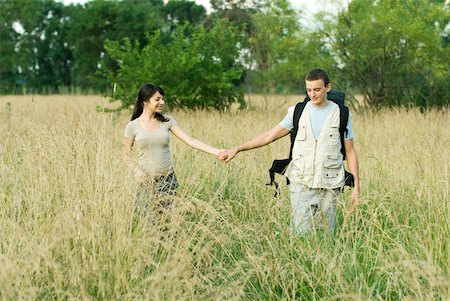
[{"x": 317, "y": 91}]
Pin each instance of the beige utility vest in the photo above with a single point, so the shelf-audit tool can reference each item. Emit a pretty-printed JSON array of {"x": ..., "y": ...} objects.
[{"x": 317, "y": 163}]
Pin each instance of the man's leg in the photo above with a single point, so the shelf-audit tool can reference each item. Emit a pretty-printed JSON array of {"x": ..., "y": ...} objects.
[
  {"x": 304, "y": 204},
  {"x": 328, "y": 203}
]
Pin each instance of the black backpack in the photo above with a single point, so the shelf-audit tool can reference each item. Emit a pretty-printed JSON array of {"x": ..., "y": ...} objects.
[{"x": 279, "y": 166}]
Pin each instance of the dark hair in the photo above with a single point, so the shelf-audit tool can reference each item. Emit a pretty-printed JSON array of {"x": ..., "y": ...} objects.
[
  {"x": 145, "y": 92},
  {"x": 317, "y": 74}
]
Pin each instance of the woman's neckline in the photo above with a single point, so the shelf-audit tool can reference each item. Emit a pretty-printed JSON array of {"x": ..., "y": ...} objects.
[{"x": 143, "y": 127}]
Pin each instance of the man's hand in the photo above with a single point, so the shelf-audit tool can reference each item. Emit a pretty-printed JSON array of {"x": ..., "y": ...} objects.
[
  {"x": 354, "y": 198},
  {"x": 228, "y": 155},
  {"x": 222, "y": 155}
]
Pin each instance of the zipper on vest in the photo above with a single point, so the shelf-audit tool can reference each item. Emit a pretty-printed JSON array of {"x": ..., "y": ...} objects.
[{"x": 314, "y": 163}]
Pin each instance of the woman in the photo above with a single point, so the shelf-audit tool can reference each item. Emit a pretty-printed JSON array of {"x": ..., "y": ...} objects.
[{"x": 148, "y": 132}]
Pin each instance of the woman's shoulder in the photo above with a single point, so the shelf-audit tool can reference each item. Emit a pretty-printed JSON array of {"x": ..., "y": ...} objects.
[
  {"x": 170, "y": 117},
  {"x": 131, "y": 128},
  {"x": 171, "y": 120},
  {"x": 131, "y": 123}
]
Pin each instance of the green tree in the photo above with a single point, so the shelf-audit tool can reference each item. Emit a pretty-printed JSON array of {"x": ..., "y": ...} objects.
[
  {"x": 33, "y": 49},
  {"x": 281, "y": 51},
  {"x": 238, "y": 12},
  {"x": 102, "y": 20},
  {"x": 393, "y": 51},
  {"x": 10, "y": 32},
  {"x": 53, "y": 58},
  {"x": 198, "y": 67},
  {"x": 182, "y": 11}
]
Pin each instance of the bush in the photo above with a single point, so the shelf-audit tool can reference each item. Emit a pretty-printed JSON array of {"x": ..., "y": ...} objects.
[{"x": 197, "y": 67}]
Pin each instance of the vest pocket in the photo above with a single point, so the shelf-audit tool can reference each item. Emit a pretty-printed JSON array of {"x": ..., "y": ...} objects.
[
  {"x": 333, "y": 162},
  {"x": 331, "y": 174},
  {"x": 301, "y": 133},
  {"x": 334, "y": 136},
  {"x": 332, "y": 168},
  {"x": 299, "y": 168}
]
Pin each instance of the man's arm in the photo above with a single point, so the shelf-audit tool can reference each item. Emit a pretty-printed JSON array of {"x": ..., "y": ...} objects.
[
  {"x": 353, "y": 165},
  {"x": 261, "y": 140}
]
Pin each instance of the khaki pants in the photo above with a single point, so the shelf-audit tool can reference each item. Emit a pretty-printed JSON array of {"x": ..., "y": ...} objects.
[{"x": 312, "y": 208}]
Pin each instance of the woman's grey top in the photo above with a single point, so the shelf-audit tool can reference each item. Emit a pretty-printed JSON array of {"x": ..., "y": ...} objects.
[{"x": 152, "y": 147}]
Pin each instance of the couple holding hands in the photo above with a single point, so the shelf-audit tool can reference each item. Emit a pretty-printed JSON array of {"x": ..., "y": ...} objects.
[{"x": 316, "y": 172}]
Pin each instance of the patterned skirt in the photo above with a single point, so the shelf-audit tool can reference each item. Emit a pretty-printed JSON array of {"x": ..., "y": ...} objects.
[{"x": 155, "y": 194}]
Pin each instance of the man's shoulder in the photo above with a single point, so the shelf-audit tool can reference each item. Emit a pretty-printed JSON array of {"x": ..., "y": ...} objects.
[{"x": 291, "y": 110}]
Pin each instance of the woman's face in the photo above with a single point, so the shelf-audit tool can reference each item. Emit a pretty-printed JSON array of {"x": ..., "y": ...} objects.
[{"x": 155, "y": 103}]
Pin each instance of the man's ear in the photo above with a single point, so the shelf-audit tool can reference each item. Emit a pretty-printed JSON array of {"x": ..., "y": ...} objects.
[{"x": 328, "y": 87}]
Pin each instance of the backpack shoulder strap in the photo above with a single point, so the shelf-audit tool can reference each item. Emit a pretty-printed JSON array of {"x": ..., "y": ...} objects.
[
  {"x": 279, "y": 166},
  {"x": 343, "y": 120},
  {"x": 299, "y": 107}
]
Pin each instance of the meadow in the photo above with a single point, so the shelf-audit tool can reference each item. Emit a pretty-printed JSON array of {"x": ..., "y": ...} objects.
[{"x": 66, "y": 210}]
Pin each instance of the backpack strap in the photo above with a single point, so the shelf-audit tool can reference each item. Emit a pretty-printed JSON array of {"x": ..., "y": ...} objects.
[
  {"x": 299, "y": 107},
  {"x": 343, "y": 120},
  {"x": 279, "y": 166}
]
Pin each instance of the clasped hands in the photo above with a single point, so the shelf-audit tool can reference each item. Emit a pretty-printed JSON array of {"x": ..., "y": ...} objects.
[{"x": 226, "y": 155}]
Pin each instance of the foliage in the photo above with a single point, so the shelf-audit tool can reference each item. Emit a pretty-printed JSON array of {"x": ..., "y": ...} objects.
[
  {"x": 281, "y": 50},
  {"x": 45, "y": 45},
  {"x": 197, "y": 67},
  {"x": 33, "y": 50},
  {"x": 100, "y": 21},
  {"x": 393, "y": 52},
  {"x": 277, "y": 50},
  {"x": 181, "y": 12}
]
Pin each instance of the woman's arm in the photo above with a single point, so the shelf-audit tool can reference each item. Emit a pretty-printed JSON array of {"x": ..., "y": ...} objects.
[
  {"x": 127, "y": 145},
  {"x": 194, "y": 143},
  {"x": 139, "y": 175}
]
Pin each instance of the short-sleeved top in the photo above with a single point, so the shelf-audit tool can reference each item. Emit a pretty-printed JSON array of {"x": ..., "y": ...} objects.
[
  {"x": 318, "y": 116},
  {"x": 152, "y": 147}
]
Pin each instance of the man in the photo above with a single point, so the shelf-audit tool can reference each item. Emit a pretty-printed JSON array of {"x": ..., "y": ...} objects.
[{"x": 316, "y": 172}]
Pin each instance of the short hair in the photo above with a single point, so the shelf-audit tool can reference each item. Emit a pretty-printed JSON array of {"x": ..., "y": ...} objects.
[{"x": 317, "y": 74}]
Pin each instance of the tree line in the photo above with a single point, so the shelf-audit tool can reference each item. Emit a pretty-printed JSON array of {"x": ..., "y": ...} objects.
[{"x": 392, "y": 52}]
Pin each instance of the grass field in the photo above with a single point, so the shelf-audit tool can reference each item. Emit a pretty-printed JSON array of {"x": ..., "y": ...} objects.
[{"x": 66, "y": 203}]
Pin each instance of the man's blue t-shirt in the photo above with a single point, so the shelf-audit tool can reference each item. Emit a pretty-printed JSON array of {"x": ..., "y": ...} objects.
[{"x": 318, "y": 116}]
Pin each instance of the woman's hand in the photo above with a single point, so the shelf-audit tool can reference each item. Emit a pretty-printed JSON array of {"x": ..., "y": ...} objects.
[
  {"x": 139, "y": 175},
  {"x": 227, "y": 155},
  {"x": 222, "y": 155}
]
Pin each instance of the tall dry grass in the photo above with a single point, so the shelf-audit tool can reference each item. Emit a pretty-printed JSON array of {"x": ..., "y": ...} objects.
[{"x": 66, "y": 211}]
